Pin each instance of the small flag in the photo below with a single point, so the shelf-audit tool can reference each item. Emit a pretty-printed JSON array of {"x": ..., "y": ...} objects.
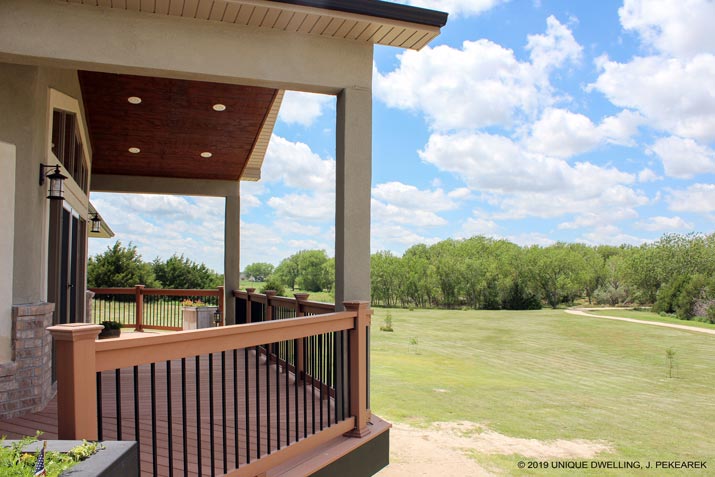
[{"x": 40, "y": 465}]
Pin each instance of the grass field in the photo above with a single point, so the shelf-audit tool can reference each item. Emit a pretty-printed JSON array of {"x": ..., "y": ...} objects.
[
  {"x": 548, "y": 375},
  {"x": 650, "y": 316}
]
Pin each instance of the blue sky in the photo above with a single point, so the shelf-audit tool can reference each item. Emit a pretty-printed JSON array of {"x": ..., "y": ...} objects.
[{"x": 531, "y": 120}]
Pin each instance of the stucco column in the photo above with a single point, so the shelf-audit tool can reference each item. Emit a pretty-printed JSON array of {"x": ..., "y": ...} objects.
[
  {"x": 7, "y": 238},
  {"x": 352, "y": 201},
  {"x": 231, "y": 256}
]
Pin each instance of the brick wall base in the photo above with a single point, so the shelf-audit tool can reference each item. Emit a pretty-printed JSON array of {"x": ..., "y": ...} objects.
[{"x": 26, "y": 381}]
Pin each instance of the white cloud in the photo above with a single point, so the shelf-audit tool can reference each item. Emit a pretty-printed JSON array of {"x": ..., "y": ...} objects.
[
  {"x": 672, "y": 94},
  {"x": 409, "y": 196},
  {"x": 647, "y": 175},
  {"x": 317, "y": 206},
  {"x": 303, "y": 108},
  {"x": 610, "y": 235},
  {"x": 396, "y": 238},
  {"x": 563, "y": 134},
  {"x": 482, "y": 84},
  {"x": 676, "y": 27},
  {"x": 663, "y": 224},
  {"x": 383, "y": 213},
  {"x": 554, "y": 49},
  {"x": 523, "y": 184},
  {"x": 684, "y": 158},
  {"x": 476, "y": 225},
  {"x": 698, "y": 198},
  {"x": 599, "y": 217},
  {"x": 297, "y": 166},
  {"x": 455, "y": 7}
]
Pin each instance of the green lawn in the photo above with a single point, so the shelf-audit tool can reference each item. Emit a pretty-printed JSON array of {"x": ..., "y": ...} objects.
[
  {"x": 550, "y": 375},
  {"x": 650, "y": 316}
]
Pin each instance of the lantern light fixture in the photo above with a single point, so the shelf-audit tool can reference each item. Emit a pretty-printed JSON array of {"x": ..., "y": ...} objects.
[
  {"x": 217, "y": 318},
  {"x": 56, "y": 178},
  {"x": 96, "y": 223}
]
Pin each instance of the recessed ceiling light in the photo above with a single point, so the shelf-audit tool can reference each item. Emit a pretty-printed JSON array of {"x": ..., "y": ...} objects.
[
  {"x": 134, "y": 99},
  {"x": 206, "y": 155},
  {"x": 134, "y": 150},
  {"x": 219, "y": 107}
]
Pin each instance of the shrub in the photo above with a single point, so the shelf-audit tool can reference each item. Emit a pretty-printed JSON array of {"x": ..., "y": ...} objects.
[
  {"x": 274, "y": 283},
  {"x": 111, "y": 325},
  {"x": 388, "y": 322}
]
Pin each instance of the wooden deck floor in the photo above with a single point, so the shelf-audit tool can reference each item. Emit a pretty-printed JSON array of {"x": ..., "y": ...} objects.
[{"x": 267, "y": 418}]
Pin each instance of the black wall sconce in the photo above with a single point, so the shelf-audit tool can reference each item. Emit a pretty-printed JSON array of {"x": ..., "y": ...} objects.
[
  {"x": 96, "y": 223},
  {"x": 217, "y": 318},
  {"x": 56, "y": 178}
]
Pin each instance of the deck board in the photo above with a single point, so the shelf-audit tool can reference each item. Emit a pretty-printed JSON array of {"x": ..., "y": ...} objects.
[{"x": 46, "y": 420}]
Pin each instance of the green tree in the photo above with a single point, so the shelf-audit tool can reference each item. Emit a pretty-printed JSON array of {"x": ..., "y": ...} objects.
[
  {"x": 287, "y": 271},
  {"x": 179, "y": 272},
  {"x": 121, "y": 267},
  {"x": 260, "y": 271},
  {"x": 310, "y": 269}
]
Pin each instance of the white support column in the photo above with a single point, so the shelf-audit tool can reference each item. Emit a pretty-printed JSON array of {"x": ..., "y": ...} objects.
[
  {"x": 352, "y": 200},
  {"x": 232, "y": 256}
]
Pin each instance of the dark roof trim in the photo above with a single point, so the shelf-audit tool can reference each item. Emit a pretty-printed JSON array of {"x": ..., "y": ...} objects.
[{"x": 377, "y": 8}]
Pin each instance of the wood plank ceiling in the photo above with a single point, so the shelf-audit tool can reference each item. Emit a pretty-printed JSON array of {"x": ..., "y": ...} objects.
[{"x": 172, "y": 126}]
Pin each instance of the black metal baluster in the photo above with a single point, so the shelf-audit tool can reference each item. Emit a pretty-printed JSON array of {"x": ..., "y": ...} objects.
[
  {"x": 223, "y": 410},
  {"x": 305, "y": 385},
  {"x": 287, "y": 391},
  {"x": 211, "y": 413},
  {"x": 278, "y": 402},
  {"x": 153, "y": 417},
  {"x": 235, "y": 406},
  {"x": 248, "y": 410},
  {"x": 198, "y": 412},
  {"x": 297, "y": 381},
  {"x": 321, "y": 367},
  {"x": 100, "y": 433},
  {"x": 184, "y": 436},
  {"x": 258, "y": 403},
  {"x": 268, "y": 399},
  {"x": 118, "y": 399},
  {"x": 136, "y": 406},
  {"x": 169, "y": 399}
]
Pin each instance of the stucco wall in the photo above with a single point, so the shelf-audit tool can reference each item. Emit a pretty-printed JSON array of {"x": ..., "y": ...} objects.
[
  {"x": 24, "y": 103},
  {"x": 7, "y": 237}
]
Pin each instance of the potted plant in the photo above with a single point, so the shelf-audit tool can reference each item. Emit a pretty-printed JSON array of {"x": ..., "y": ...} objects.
[
  {"x": 112, "y": 329},
  {"x": 197, "y": 314}
]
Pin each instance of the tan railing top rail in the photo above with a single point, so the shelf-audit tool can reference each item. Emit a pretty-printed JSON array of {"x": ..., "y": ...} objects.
[
  {"x": 155, "y": 291},
  {"x": 115, "y": 354},
  {"x": 306, "y": 306}
]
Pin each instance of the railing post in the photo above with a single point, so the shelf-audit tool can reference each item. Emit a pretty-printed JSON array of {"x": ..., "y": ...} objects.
[
  {"x": 358, "y": 367},
  {"x": 220, "y": 304},
  {"x": 249, "y": 292},
  {"x": 76, "y": 380},
  {"x": 139, "y": 293},
  {"x": 299, "y": 363}
]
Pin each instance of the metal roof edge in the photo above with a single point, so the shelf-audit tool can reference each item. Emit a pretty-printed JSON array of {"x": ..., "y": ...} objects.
[{"x": 379, "y": 9}]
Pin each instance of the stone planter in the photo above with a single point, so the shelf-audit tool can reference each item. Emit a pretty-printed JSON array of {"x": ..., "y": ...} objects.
[
  {"x": 117, "y": 459},
  {"x": 196, "y": 317}
]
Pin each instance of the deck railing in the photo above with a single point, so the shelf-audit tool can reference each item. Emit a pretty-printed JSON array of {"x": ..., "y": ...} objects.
[
  {"x": 149, "y": 308},
  {"x": 220, "y": 400}
]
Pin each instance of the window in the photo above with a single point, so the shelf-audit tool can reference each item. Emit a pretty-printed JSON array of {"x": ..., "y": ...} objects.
[{"x": 67, "y": 146}]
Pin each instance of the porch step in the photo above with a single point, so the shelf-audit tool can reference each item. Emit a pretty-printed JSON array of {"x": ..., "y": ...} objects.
[{"x": 343, "y": 456}]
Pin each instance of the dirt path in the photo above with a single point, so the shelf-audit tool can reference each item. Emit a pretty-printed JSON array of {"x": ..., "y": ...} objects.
[
  {"x": 444, "y": 449},
  {"x": 585, "y": 312}
]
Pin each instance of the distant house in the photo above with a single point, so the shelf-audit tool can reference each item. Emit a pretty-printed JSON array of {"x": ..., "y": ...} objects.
[{"x": 165, "y": 97}]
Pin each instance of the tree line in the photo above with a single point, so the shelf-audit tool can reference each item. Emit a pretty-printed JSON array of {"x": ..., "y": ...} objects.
[
  {"x": 122, "y": 266},
  {"x": 675, "y": 274}
]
